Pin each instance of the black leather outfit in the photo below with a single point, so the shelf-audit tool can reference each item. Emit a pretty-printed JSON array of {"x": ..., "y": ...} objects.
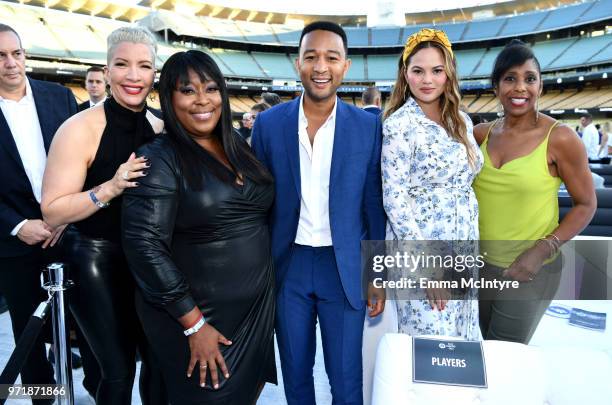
[
  {"x": 102, "y": 300},
  {"x": 209, "y": 248}
]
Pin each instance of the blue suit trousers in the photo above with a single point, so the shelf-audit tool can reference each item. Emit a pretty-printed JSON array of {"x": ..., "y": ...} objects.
[{"x": 312, "y": 289}]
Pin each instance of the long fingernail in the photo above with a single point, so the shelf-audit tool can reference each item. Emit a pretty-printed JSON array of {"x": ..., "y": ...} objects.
[
  {"x": 216, "y": 386},
  {"x": 227, "y": 375},
  {"x": 188, "y": 375},
  {"x": 203, "y": 385},
  {"x": 136, "y": 183},
  {"x": 147, "y": 164}
]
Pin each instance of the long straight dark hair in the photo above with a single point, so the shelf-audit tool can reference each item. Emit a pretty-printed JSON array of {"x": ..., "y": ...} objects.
[{"x": 175, "y": 72}]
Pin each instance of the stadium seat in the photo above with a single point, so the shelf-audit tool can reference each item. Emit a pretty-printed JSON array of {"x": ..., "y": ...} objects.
[
  {"x": 560, "y": 99},
  {"x": 483, "y": 29},
  {"x": 382, "y": 67},
  {"x": 581, "y": 51},
  {"x": 522, "y": 23},
  {"x": 357, "y": 70},
  {"x": 563, "y": 16},
  {"x": 477, "y": 30},
  {"x": 385, "y": 36},
  {"x": 468, "y": 60},
  {"x": 548, "y": 51},
  {"x": 357, "y": 36},
  {"x": 241, "y": 63},
  {"x": 485, "y": 66},
  {"x": 257, "y": 32},
  {"x": 579, "y": 99},
  {"x": 480, "y": 104},
  {"x": 601, "y": 224},
  {"x": 275, "y": 65},
  {"x": 600, "y": 10},
  {"x": 454, "y": 31},
  {"x": 604, "y": 171}
]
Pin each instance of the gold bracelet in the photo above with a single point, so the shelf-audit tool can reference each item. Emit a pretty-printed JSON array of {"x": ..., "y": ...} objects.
[
  {"x": 553, "y": 247},
  {"x": 556, "y": 238}
]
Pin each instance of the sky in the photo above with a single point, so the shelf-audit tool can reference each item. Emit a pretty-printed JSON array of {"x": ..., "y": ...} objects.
[{"x": 348, "y": 7}]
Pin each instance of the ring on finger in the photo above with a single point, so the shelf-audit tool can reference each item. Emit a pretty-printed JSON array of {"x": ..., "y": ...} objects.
[
  {"x": 126, "y": 175},
  {"x": 202, "y": 365}
]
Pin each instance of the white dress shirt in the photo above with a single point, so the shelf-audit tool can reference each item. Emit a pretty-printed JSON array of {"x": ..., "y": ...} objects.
[
  {"x": 315, "y": 167},
  {"x": 22, "y": 118},
  {"x": 92, "y": 104},
  {"x": 590, "y": 137}
]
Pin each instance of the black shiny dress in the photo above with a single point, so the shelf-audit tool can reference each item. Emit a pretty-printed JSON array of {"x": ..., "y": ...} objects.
[{"x": 209, "y": 248}]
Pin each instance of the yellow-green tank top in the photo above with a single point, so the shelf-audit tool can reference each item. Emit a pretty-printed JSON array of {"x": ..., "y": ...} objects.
[{"x": 517, "y": 203}]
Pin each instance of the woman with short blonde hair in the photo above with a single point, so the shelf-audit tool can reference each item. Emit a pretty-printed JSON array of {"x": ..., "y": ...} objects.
[{"x": 90, "y": 164}]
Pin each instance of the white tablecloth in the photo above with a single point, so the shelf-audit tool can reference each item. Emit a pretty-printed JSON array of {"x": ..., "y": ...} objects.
[
  {"x": 557, "y": 332},
  {"x": 516, "y": 374}
]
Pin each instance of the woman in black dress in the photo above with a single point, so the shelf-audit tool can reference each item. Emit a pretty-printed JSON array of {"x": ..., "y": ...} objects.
[
  {"x": 196, "y": 237},
  {"x": 91, "y": 163}
]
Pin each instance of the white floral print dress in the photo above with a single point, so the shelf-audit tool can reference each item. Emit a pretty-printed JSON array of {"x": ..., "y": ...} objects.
[{"x": 427, "y": 195}]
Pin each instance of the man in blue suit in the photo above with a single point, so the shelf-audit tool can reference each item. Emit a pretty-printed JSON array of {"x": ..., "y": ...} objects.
[
  {"x": 325, "y": 157},
  {"x": 30, "y": 113}
]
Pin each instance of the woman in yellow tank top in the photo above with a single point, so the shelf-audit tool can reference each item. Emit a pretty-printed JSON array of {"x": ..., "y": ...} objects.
[{"x": 527, "y": 155}]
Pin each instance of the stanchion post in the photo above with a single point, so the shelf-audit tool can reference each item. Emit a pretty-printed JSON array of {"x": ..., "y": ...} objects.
[{"x": 57, "y": 281}]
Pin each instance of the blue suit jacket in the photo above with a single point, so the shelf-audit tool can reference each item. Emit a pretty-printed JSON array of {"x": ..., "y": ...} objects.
[
  {"x": 355, "y": 200},
  {"x": 373, "y": 110},
  {"x": 54, "y": 104}
]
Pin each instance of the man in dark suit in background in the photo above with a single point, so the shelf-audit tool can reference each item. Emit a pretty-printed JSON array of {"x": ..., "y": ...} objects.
[
  {"x": 372, "y": 100},
  {"x": 95, "y": 86},
  {"x": 31, "y": 112}
]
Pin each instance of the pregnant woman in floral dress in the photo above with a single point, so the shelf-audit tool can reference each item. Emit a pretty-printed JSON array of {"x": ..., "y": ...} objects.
[{"x": 429, "y": 160}]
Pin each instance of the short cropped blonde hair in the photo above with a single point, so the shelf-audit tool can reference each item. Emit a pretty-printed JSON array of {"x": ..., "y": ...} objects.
[{"x": 137, "y": 35}]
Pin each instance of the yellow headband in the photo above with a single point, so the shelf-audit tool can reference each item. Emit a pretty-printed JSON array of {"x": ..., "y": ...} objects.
[{"x": 424, "y": 35}]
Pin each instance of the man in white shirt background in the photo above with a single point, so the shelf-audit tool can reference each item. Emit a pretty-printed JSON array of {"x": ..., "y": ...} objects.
[
  {"x": 95, "y": 86},
  {"x": 590, "y": 137},
  {"x": 372, "y": 100},
  {"x": 30, "y": 113}
]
